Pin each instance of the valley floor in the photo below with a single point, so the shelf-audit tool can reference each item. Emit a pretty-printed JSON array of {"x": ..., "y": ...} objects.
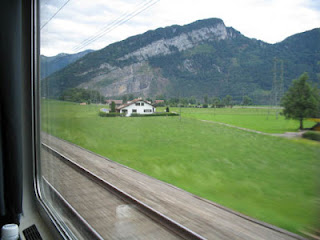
[{"x": 266, "y": 177}]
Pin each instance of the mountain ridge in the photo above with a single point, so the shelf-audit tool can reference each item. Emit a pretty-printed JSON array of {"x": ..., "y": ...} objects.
[
  {"x": 55, "y": 63},
  {"x": 204, "y": 57}
]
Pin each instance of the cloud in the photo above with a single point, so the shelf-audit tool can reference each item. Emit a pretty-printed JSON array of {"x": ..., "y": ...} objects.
[{"x": 267, "y": 20}]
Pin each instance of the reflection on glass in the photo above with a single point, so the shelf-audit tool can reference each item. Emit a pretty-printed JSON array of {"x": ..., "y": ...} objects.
[{"x": 137, "y": 89}]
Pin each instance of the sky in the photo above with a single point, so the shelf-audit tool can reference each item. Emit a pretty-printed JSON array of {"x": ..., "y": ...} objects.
[{"x": 70, "y": 26}]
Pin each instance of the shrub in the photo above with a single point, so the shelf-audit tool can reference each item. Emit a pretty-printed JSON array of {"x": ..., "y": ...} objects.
[
  {"x": 157, "y": 114},
  {"x": 312, "y": 135},
  {"x": 111, "y": 114}
]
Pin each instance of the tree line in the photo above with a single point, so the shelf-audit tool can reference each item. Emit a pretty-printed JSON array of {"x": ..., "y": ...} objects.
[
  {"x": 82, "y": 95},
  {"x": 206, "y": 102}
]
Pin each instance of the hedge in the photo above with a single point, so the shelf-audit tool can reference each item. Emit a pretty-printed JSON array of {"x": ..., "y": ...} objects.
[
  {"x": 312, "y": 135},
  {"x": 158, "y": 114},
  {"x": 111, "y": 114}
]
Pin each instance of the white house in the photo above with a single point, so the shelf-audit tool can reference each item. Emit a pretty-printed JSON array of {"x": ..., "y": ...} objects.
[{"x": 136, "y": 106}]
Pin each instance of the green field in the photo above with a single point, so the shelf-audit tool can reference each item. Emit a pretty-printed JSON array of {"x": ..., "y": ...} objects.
[
  {"x": 269, "y": 178},
  {"x": 259, "y": 119}
]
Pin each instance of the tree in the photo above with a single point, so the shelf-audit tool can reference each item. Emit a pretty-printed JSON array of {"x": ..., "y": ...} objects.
[
  {"x": 113, "y": 106},
  {"x": 130, "y": 97},
  {"x": 205, "y": 98},
  {"x": 246, "y": 101},
  {"x": 228, "y": 101},
  {"x": 301, "y": 100},
  {"x": 216, "y": 102},
  {"x": 192, "y": 100},
  {"x": 124, "y": 99}
]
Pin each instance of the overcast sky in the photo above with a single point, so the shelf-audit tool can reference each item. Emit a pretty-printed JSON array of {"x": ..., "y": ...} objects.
[{"x": 76, "y": 25}]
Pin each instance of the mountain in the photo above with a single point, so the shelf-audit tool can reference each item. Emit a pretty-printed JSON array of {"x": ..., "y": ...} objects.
[
  {"x": 204, "y": 57},
  {"x": 50, "y": 65}
]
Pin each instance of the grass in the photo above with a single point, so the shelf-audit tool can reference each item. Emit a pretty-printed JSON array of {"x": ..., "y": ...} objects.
[
  {"x": 259, "y": 119},
  {"x": 269, "y": 178}
]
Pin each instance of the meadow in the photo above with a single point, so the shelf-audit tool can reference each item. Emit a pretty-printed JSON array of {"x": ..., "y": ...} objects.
[
  {"x": 260, "y": 119},
  {"x": 269, "y": 178}
]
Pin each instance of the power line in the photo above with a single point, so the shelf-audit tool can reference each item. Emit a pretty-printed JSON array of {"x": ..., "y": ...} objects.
[
  {"x": 106, "y": 29},
  {"x": 114, "y": 24},
  {"x": 110, "y": 24},
  {"x": 55, "y": 14},
  {"x": 123, "y": 19}
]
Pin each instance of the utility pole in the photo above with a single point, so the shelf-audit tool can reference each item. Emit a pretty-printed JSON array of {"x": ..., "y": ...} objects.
[
  {"x": 273, "y": 87},
  {"x": 274, "y": 84},
  {"x": 277, "y": 86},
  {"x": 281, "y": 87}
]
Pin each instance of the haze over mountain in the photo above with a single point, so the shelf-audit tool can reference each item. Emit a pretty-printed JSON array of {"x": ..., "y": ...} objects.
[
  {"x": 204, "y": 57},
  {"x": 50, "y": 65}
]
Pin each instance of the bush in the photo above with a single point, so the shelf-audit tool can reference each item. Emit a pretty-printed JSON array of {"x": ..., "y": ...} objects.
[
  {"x": 111, "y": 114},
  {"x": 157, "y": 114},
  {"x": 312, "y": 135}
]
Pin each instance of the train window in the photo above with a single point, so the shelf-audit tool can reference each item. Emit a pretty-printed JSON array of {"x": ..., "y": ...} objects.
[{"x": 216, "y": 148}]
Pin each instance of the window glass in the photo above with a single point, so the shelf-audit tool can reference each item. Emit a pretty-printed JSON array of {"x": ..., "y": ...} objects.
[{"x": 225, "y": 131}]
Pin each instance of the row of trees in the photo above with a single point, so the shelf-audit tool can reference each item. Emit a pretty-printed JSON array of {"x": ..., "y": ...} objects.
[
  {"x": 216, "y": 102},
  {"x": 82, "y": 95}
]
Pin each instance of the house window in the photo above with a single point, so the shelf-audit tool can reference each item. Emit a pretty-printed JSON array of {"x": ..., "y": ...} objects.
[
  {"x": 138, "y": 104},
  {"x": 147, "y": 110},
  {"x": 124, "y": 110},
  {"x": 134, "y": 110},
  {"x": 142, "y": 104}
]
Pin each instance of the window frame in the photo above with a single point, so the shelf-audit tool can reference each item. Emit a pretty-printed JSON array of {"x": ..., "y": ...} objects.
[{"x": 56, "y": 226}]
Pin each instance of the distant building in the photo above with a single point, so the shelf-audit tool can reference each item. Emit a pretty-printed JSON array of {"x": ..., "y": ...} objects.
[
  {"x": 117, "y": 102},
  {"x": 136, "y": 106},
  {"x": 317, "y": 126},
  {"x": 158, "y": 102},
  {"x": 83, "y": 103}
]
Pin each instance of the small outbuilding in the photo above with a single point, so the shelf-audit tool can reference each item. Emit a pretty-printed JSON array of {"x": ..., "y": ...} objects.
[{"x": 317, "y": 126}]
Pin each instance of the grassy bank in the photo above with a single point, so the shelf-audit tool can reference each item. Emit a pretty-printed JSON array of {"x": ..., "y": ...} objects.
[{"x": 270, "y": 178}]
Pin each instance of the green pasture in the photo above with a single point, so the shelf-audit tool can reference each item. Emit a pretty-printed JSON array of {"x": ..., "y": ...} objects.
[
  {"x": 269, "y": 178},
  {"x": 259, "y": 119}
]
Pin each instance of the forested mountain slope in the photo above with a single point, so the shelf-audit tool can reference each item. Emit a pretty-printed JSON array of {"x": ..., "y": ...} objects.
[
  {"x": 204, "y": 57},
  {"x": 50, "y": 65}
]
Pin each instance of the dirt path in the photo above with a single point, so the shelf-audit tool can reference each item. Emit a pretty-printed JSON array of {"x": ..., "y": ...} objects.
[{"x": 286, "y": 135}]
